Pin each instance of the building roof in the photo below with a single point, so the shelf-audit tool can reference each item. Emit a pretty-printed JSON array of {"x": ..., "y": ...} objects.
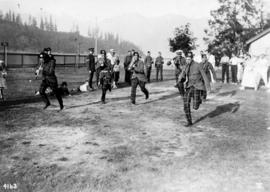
[{"x": 260, "y": 35}]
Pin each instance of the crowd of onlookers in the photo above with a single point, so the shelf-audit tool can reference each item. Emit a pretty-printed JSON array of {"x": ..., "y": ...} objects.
[
  {"x": 239, "y": 69},
  {"x": 95, "y": 62},
  {"x": 246, "y": 70}
]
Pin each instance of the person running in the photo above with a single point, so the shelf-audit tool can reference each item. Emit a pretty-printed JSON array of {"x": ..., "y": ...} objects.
[
  {"x": 138, "y": 77},
  {"x": 47, "y": 66},
  {"x": 195, "y": 83},
  {"x": 208, "y": 69},
  {"x": 148, "y": 62},
  {"x": 105, "y": 75},
  {"x": 180, "y": 63},
  {"x": 159, "y": 66}
]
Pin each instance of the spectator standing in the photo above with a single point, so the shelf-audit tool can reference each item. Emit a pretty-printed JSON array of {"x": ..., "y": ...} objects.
[
  {"x": 115, "y": 61},
  {"x": 159, "y": 66},
  {"x": 3, "y": 84},
  {"x": 148, "y": 62},
  {"x": 127, "y": 63},
  {"x": 234, "y": 62},
  {"x": 225, "y": 60},
  {"x": 91, "y": 66}
]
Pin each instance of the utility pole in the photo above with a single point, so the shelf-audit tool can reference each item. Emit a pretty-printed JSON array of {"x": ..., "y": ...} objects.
[
  {"x": 96, "y": 36},
  {"x": 5, "y": 45}
]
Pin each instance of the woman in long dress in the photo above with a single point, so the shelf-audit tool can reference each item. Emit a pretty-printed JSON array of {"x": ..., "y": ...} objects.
[{"x": 250, "y": 76}]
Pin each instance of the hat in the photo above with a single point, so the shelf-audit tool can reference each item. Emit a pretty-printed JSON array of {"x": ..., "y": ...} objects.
[
  {"x": 112, "y": 50},
  {"x": 178, "y": 51},
  {"x": 47, "y": 49},
  {"x": 91, "y": 49},
  {"x": 102, "y": 51}
]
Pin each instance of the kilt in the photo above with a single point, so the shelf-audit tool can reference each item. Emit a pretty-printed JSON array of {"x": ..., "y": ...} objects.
[{"x": 196, "y": 95}]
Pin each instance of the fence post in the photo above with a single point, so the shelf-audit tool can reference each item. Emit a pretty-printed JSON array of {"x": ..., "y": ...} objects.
[
  {"x": 22, "y": 60},
  {"x": 64, "y": 62},
  {"x": 5, "y": 45}
]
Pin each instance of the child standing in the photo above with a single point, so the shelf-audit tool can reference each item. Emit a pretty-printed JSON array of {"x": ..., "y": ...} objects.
[
  {"x": 116, "y": 73},
  {"x": 3, "y": 84}
]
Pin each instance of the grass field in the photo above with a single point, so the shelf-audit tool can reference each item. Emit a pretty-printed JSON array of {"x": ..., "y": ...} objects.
[
  {"x": 139, "y": 148},
  {"x": 21, "y": 82}
]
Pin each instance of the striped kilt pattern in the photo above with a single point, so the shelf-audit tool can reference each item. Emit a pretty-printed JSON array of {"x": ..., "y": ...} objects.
[{"x": 196, "y": 95}]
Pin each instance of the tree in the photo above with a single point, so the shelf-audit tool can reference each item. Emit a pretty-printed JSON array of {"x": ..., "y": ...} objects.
[
  {"x": 41, "y": 26},
  {"x": 19, "y": 19},
  {"x": 232, "y": 24},
  {"x": 51, "y": 26},
  {"x": 13, "y": 17},
  {"x": 34, "y": 22},
  {"x": 1, "y": 15},
  {"x": 55, "y": 27},
  {"x": 183, "y": 39},
  {"x": 46, "y": 25}
]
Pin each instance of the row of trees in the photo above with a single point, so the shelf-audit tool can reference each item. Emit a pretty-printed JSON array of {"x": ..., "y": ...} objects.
[
  {"x": 27, "y": 36},
  {"x": 231, "y": 25},
  {"x": 45, "y": 23}
]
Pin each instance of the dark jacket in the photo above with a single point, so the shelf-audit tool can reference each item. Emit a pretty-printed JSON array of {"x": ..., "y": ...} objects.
[
  {"x": 106, "y": 69},
  {"x": 48, "y": 66},
  {"x": 127, "y": 61},
  {"x": 90, "y": 62},
  {"x": 179, "y": 62},
  {"x": 148, "y": 61},
  {"x": 194, "y": 75},
  {"x": 207, "y": 67},
  {"x": 159, "y": 61},
  {"x": 139, "y": 70}
]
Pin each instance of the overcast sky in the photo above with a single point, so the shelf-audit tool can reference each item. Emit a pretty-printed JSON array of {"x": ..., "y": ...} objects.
[
  {"x": 67, "y": 13},
  {"x": 82, "y": 9},
  {"x": 87, "y": 10}
]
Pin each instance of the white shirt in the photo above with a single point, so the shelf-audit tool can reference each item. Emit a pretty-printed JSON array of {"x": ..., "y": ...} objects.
[
  {"x": 235, "y": 60},
  {"x": 225, "y": 59}
]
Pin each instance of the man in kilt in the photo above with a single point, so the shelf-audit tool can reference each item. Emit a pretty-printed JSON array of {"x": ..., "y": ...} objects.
[
  {"x": 49, "y": 78},
  {"x": 196, "y": 83}
]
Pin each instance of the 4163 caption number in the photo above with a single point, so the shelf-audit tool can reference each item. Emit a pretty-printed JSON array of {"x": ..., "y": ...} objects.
[{"x": 10, "y": 186}]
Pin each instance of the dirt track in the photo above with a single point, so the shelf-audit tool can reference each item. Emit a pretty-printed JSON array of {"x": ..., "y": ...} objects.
[{"x": 120, "y": 147}]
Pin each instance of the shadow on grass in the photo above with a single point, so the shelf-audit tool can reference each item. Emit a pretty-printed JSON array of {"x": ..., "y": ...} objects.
[
  {"x": 230, "y": 107},
  {"x": 112, "y": 99},
  {"x": 165, "y": 97},
  {"x": 232, "y": 93}
]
